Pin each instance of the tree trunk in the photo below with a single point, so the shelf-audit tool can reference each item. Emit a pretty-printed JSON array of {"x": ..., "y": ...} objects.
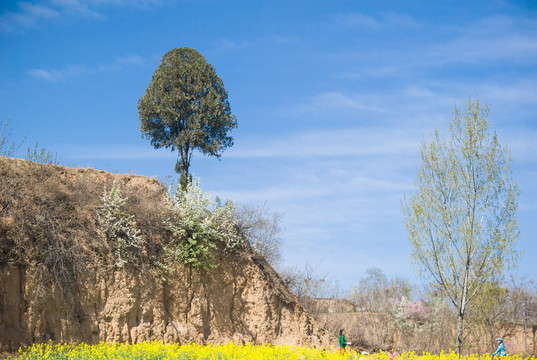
[
  {"x": 184, "y": 180},
  {"x": 491, "y": 334},
  {"x": 182, "y": 166},
  {"x": 525, "y": 332},
  {"x": 460, "y": 318}
]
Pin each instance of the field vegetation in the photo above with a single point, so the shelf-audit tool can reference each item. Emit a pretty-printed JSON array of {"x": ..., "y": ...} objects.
[{"x": 161, "y": 351}]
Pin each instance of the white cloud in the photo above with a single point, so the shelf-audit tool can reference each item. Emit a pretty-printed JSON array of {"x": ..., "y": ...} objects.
[
  {"x": 49, "y": 75},
  {"x": 136, "y": 3},
  {"x": 331, "y": 146},
  {"x": 320, "y": 174},
  {"x": 349, "y": 181},
  {"x": 114, "y": 152},
  {"x": 27, "y": 15},
  {"x": 395, "y": 19},
  {"x": 516, "y": 91},
  {"x": 77, "y": 8},
  {"x": 487, "y": 40},
  {"x": 227, "y": 44},
  {"x": 386, "y": 19},
  {"x": 286, "y": 39},
  {"x": 324, "y": 104},
  {"x": 80, "y": 70},
  {"x": 522, "y": 143},
  {"x": 408, "y": 106},
  {"x": 331, "y": 194},
  {"x": 272, "y": 193},
  {"x": 376, "y": 71},
  {"x": 356, "y": 142},
  {"x": 356, "y": 20},
  {"x": 493, "y": 41},
  {"x": 328, "y": 197}
]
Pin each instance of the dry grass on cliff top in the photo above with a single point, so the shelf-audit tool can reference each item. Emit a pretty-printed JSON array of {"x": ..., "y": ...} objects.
[{"x": 48, "y": 218}]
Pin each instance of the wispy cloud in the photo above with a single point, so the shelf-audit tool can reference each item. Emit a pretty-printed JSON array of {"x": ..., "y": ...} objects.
[
  {"x": 522, "y": 145},
  {"x": 331, "y": 100},
  {"x": 405, "y": 106},
  {"x": 280, "y": 39},
  {"x": 356, "y": 142},
  {"x": 401, "y": 20},
  {"x": 49, "y": 75},
  {"x": 355, "y": 20},
  {"x": 322, "y": 145},
  {"x": 338, "y": 168},
  {"x": 70, "y": 71},
  {"x": 26, "y": 15},
  {"x": 29, "y": 14},
  {"x": 490, "y": 39},
  {"x": 234, "y": 44},
  {"x": 227, "y": 44},
  {"x": 359, "y": 20},
  {"x": 332, "y": 185},
  {"x": 336, "y": 185},
  {"x": 114, "y": 152},
  {"x": 77, "y": 8}
]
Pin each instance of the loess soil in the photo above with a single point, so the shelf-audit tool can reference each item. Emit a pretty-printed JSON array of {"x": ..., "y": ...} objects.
[{"x": 58, "y": 279}]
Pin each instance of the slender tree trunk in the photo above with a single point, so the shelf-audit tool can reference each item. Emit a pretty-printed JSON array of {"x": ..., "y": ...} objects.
[
  {"x": 534, "y": 328},
  {"x": 462, "y": 309},
  {"x": 182, "y": 166},
  {"x": 491, "y": 334},
  {"x": 525, "y": 331},
  {"x": 460, "y": 319}
]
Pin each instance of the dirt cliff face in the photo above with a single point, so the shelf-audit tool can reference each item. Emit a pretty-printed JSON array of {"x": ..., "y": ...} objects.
[{"x": 57, "y": 281}]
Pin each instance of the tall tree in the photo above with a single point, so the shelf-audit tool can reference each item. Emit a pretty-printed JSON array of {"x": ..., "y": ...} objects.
[
  {"x": 185, "y": 108},
  {"x": 461, "y": 218}
]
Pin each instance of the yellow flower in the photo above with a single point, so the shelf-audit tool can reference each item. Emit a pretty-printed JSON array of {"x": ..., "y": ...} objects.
[{"x": 230, "y": 351}]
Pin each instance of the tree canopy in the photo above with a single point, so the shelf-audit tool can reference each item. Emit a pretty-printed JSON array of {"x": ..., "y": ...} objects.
[
  {"x": 461, "y": 218},
  {"x": 185, "y": 108}
]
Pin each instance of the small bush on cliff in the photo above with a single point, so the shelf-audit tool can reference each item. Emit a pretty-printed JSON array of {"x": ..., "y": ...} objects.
[
  {"x": 198, "y": 226},
  {"x": 116, "y": 226},
  {"x": 8, "y": 147},
  {"x": 43, "y": 156},
  {"x": 263, "y": 230}
]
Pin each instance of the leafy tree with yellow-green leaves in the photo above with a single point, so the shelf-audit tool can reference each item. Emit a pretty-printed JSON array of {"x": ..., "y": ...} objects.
[{"x": 461, "y": 217}]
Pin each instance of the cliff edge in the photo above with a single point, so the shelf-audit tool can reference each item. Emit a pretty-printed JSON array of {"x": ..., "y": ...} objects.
[{"x": 58, "y": 279}]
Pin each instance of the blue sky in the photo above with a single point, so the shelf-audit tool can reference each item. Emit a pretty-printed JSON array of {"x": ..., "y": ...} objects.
[{"x": 333, "y": 99}]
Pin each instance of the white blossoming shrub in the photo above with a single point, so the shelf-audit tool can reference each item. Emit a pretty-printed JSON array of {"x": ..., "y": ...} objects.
[
  {"x": 116, "y": 226},
  {"x": 199, "y": 225}
]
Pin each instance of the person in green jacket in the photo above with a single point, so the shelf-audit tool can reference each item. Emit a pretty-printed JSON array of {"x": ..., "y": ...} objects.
[{"x": 342, "y": 342}]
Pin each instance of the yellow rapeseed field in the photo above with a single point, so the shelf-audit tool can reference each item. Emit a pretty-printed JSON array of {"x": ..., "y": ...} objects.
[{"x": 158, "y": 350}]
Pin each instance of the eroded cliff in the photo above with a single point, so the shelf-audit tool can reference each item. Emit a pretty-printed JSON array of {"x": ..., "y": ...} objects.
[{"x": 58, "y": 280}]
